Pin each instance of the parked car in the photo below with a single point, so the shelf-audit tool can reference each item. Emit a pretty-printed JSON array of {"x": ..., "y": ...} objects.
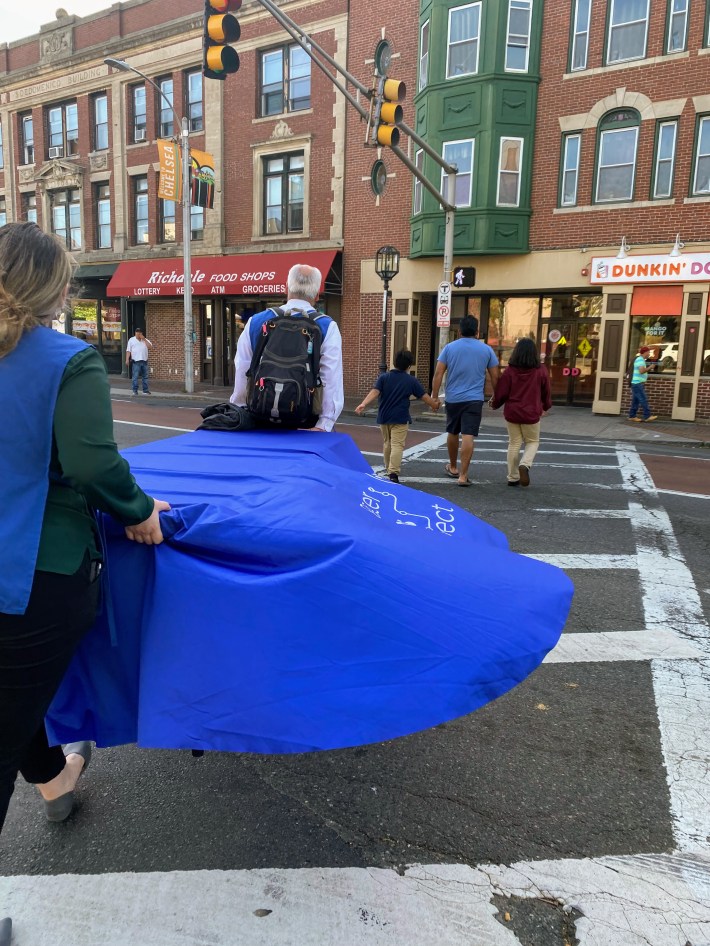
[{"x": 666, "y": 356}]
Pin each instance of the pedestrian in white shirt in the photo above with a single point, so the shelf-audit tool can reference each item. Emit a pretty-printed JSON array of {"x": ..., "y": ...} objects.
[
  {"x": 303, "y": 288},
  {"x": 137, "y": 352}
]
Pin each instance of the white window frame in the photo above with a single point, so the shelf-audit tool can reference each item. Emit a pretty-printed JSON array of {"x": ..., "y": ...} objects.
[
  {"x": 662, "y": 125},
  {"x": 698, "y": 155},
  {"x": 103, "y": 203},
  {"x": 28, "y": 145},
  {"x": 501, "y": 170},
  {"x": 476, "y": 39},
  {"x": 423, "y": 56},
  {"x": 519, "y": 4},
  {"x": 460, "y": 141},
  {"x": 672, "y": 13},
  {"x": 616, "y": 131},
  {"x": 2, "y": 153},
  {"x": 613, "y": 26},
  {"x": 579, "y": 32},
  {"x": 274, "y": 148},
  {"x": 570, "y": 169},
  {"x": 418, "y": 196}
]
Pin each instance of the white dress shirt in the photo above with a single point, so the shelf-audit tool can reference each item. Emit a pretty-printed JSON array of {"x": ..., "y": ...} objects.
[{"x": 331, "y": 368}]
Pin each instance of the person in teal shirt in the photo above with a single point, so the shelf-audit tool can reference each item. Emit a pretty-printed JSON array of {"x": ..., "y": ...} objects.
[{"x": 639, "y": 400}]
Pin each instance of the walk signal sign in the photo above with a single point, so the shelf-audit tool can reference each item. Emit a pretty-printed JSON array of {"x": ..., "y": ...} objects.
[
  {"x": 464, "y": 277},
  {"x": 387, "y": 112},
  {"x": 220, "y": 28}
]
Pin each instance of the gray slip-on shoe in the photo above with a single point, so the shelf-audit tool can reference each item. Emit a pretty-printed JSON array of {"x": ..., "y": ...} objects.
[{"x": 59, "y": 809}]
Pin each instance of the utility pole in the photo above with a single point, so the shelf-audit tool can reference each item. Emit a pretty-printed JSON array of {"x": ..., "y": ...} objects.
[{"x": 448, "y": 202}]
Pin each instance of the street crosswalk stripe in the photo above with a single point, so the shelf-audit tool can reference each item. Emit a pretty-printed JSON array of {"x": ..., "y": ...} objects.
[
  {"x": 560, "y": 466},
  {"x": 565, "y": 561},
  {"x": 587, "y": 513},
  {"x": 603, "y": 646},
  {"x": 681, "y": 688},
  {"x": 442, "y": 480},
  {"x": 134, "y": 423},
  {"x": 623, "y": 900},
  {"x": 674, "y": 492}
]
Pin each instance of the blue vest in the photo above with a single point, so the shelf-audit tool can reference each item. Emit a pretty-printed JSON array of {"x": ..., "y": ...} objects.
[
  {"x": 29, "y": 382},
  {"x": 256, "y": 321}
]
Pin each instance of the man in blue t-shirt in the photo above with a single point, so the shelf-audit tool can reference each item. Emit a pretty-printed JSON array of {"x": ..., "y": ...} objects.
[
  {"x": 394, "y": 389},
  {"x": 465, "y": 362}
]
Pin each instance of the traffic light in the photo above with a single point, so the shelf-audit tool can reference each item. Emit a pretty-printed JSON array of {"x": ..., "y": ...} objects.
[
  {"x": 387, "y": 113},
  {"x": 220, "y": 27}
]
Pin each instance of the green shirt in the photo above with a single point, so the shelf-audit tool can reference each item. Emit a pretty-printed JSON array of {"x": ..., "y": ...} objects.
[{"x": 93, "y": 473}]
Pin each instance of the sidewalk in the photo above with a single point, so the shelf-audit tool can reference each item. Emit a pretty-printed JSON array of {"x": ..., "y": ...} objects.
[{"x": 577, "y": 422}]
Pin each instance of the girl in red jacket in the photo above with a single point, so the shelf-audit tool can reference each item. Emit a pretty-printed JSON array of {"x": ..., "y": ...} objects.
[{"x": 524, "y": 388}]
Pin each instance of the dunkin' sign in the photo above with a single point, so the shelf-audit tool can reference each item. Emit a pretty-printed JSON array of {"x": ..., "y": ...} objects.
[{"x": 651, "y": 269}]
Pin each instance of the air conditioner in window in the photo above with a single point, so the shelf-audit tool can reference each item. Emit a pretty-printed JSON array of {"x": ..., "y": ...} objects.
[
  {"x": 139, "y": 134},
  {"x": 56, "y": 152}
]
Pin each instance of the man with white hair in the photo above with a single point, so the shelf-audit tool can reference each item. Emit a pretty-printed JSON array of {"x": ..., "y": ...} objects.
[{"x": 303, "y": 288}]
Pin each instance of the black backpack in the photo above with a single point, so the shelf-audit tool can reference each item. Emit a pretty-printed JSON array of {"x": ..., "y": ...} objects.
[{"x": 284, "y": 385}]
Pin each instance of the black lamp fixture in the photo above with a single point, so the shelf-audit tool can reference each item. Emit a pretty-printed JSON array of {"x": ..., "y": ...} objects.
[{"x": 386, "y": 266}]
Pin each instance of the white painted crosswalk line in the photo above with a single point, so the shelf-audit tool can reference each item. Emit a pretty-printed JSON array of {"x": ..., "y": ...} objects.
[
  {"x": 604, "y": 646},
  {"x": 624, "y": 901},
  {"x": 565, "y": 562},
  {"x": 587, "y": 513}
]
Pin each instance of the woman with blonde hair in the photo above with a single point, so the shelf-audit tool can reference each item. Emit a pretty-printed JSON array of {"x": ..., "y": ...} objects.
[{"x": 58, "y": 463}]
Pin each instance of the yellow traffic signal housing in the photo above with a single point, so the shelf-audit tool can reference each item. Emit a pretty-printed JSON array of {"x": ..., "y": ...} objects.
[
  {"x": 388, "y": 112},
  {"x": 221, "y": 27}
]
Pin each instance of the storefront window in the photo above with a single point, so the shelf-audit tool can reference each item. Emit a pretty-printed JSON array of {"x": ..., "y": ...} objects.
[
  {"x": 84, "y": 323},
  {"x": 572, "y": 307},
  {"x": 509, "y": 320},
  {"x": 111, "y": 346},
  {"x": 705, "y": 363},
  {"x": 662, "y": 335}
]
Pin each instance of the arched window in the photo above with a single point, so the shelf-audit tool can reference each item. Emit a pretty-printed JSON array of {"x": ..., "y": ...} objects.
[{"x": 616, "y": 155}]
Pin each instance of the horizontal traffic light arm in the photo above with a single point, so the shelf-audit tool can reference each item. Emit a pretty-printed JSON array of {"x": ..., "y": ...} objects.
[{"x": 308, "y": 44}]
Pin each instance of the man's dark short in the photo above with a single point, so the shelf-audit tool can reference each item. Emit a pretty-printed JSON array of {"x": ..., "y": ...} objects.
[{"x": 464, "y": 417}]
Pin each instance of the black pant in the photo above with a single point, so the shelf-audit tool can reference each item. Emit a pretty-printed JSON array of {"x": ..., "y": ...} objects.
[{"x": 35, "y": 650}]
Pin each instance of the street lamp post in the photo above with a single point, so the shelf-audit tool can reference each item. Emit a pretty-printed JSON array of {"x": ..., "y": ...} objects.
[
  {"x": 386, "y": 267},
  {"x": 186, "y": 228}
]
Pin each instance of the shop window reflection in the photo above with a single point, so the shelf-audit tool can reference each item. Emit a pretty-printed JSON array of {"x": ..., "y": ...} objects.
[
  {"x": 705, "y": 363},
  {"x": 509, "y": 320},
  {"x": 662, "y": 335}
]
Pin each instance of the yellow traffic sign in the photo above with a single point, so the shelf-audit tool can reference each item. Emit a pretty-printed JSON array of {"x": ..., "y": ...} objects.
[
  {"x": 584, "y": 347},
  {"x": 562, "y": 341}
]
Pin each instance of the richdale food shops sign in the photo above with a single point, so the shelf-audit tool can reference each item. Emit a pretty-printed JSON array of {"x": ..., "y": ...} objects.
[
  {"x": 170, "y": 282},
  {"x": 651, "y": 269}
]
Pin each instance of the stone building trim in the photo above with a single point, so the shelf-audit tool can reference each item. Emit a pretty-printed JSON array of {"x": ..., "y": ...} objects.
[{"x": 623, "y": 98}]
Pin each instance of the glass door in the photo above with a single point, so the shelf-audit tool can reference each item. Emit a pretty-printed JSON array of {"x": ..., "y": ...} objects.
[
  {"x": 206, "y": 342},
  {"x": 570, "y": 351}
]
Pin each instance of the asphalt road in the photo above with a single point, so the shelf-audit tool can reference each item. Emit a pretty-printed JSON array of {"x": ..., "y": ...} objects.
[{"x": 588, "y": 760}]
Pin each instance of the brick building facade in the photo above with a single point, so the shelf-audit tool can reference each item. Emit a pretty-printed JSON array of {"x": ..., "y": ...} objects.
[{"x": 590, "y": 129}]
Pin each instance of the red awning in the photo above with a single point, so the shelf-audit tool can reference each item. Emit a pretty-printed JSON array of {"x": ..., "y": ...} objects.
[
  {"x": 657, "y": 300},
  {"x": 258, "y": 274}
]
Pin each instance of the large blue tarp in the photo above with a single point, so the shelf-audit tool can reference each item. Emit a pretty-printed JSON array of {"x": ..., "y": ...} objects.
[{"x": 299, "y": 603}]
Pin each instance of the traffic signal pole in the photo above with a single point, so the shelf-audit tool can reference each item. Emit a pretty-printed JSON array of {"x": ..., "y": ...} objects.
[{"x": 448, "y": 202}]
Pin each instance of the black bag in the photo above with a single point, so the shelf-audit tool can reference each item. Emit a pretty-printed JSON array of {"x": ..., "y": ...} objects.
[{"x": 284, "y": 386}]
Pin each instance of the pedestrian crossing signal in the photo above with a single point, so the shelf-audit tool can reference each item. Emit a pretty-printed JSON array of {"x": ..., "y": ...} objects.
[{"x": 464, "y": 277}]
